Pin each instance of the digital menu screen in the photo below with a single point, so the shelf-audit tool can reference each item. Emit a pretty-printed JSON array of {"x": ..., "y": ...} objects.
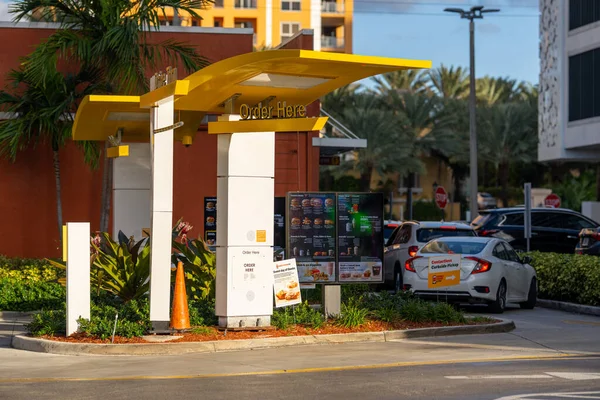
[
  {"x": 210, "y": 221},
  {"x": 311, "y": 235},
  {"x": 360, "y": 237},
  {"x": 279, "y": 227}
]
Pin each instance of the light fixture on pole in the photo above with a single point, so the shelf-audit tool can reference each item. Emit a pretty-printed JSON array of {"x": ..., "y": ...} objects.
[{"x": 476, "y": 12}]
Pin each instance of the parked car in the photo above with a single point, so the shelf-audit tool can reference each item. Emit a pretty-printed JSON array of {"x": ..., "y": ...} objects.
[
  {"x": 589, "y": 242},
  {"x": 485, "y": 201},
  {"x": 491, "y": 272},
  {"x": 552, "y": 229},
  {"x": 389, "y": 227},
  {"x": 406, "y": 240}
]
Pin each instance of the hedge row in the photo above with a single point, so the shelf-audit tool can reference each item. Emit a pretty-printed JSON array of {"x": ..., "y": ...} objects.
[{"x": 572, "y": 278}]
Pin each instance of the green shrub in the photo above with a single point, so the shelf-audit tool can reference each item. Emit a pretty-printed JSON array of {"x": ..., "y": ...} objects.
[
  {"x": 17, "y": 263},
  {"x": 202, "y": 312},
  {"x": 301, "y": 314},
  {"x": 427, "y": 210},
  {"x": 30, "y": 273},
  {"x": 133, "y": 319},
  {"x": 354, "y": 290},
  {"x": 415, "y": 310},
  {"x": 353, "y": 314},
  {"x": 48, "y": 322},
  {"x": 568, "y": 277},
  {"x": 19, "y": 295}
]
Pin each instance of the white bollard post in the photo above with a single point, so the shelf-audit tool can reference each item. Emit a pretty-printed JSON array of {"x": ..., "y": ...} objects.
[{"x": 78, "y": 273}]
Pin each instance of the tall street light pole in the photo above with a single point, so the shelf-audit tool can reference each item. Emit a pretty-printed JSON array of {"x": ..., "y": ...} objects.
[{"x": 476, "y": 12}]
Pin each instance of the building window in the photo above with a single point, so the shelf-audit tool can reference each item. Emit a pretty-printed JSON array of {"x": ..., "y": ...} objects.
[
  {"x": 290, "y": 5},
  {"x": 245, "y": 3},
  {"x": 583, "y": 12},
  {"x": 196, "y": 22},
  {"x": 289, "y": 29},
  {"x": 584, "y": 85},
  {"x": 403, "y": 182},
  {"x": 218, "y": 4},
  {"x": 218, "y": 23}
]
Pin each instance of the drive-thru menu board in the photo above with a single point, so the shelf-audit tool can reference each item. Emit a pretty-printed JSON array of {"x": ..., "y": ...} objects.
[
  {"x": 360, "y": 237},
  {"x": 311, "y": 235},
  {"x": 210, "y": 220}
]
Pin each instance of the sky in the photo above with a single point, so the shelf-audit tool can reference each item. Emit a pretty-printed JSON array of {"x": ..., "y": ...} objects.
[{"x": 506, "y": 43}]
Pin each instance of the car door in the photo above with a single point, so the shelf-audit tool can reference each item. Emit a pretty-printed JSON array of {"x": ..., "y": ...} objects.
[
  {"x": 500, "y": 253},
  {"x": 393, "y": 251},
  {"x": 545, "y": 227},
  {"x": 519, "y": 272}
]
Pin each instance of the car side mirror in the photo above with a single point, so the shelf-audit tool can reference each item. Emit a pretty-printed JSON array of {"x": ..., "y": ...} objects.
[{"x": 526, "y": 259}]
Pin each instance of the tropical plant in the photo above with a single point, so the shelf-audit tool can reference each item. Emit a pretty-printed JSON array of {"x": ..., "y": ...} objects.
[
  {"x": 199, "y": 263},
  {"x": 370, "y": 120},
  {"x": 508, "y": 137},
  {"x": 448, "y": 82},
  {"x": 111, "y": 37},
  {"x": 410, "y": 80},
  {"x": 575, "y": 189},
  {"x": 43, "y": 114},
  {"x": 424, "y": 129}
]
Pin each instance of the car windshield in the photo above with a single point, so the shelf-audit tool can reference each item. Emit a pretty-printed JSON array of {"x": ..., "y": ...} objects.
[
  {"x": 453, "y": 247},
  {"x": 424, "y": 235}
]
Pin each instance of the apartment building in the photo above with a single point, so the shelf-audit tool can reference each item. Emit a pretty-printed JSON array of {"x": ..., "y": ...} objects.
[
  {"x": 569, "y": 100},
  {"x": 275, "y": 21}
]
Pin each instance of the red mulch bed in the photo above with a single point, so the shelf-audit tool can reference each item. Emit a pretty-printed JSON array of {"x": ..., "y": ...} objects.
[{"x": 213, "y": 333}]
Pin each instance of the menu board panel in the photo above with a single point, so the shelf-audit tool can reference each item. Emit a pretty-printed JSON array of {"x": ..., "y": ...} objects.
[
  {"x": 311, "y": 235},
  {"x": 360, "y": 237},
  {"x": 279, "y": 228},
  {"x": 210, "y": 220}
]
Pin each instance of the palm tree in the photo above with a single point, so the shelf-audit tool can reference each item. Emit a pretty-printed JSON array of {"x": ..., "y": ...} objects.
[
  {"x": 403, "y": 80},
  {"x": 425, "y": 130},
  {"x": 509, "y": 136},
  {"x": 448, "y": 82},
  {"x": 368, "y": 119},
  {"x": 340, "y": 100},
  {"x": 44, "y": 114},
  {"x": 111, "y": 37}
]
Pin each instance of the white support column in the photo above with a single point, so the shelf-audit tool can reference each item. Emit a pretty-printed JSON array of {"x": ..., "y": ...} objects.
[
  {"x": 162, "y": 214},
  {"x": 78, "y": 273},
  {"x": 315, "y": 23},
  {"x": 246, "y": 192},
  {"x": 132, "y": 182}
]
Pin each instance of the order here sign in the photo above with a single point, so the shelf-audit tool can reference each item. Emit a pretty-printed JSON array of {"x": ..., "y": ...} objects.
[{"x": 444, "y": 271}]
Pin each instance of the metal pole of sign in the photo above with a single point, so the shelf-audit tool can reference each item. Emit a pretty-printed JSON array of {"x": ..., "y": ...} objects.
[{"x": 527, "y": 215}]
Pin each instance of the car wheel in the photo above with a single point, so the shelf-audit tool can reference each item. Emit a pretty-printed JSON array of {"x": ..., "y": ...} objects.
[
  {"x": 499, "y": 305},
  {"x": 397, "y": 278},
  {"x": 531, "y": 297}
]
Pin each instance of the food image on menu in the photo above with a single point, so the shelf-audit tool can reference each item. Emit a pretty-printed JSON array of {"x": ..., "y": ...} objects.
[
  {"x": 318, "y": 222},
  {"x": 291, "y": 292},
  {"x": 316, "y": 202},
  {"x": 306, "y": 221},
  {"x": 295, "y": 203},
  {"x": 210, "y": 220},
  {"x": 329, "y": 222},
  {"x": 296, "y": 222},
  {"x": 306, "y": 203},
  {"x": 210, "y": 205},
  {"x": 328, "y": 202}
]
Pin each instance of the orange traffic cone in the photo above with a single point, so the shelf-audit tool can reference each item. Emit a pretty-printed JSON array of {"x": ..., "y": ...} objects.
[{"x": 180, "y": 316}]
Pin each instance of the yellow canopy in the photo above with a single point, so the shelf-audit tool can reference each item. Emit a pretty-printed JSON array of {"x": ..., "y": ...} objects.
[{"x": 297, "y": 77}]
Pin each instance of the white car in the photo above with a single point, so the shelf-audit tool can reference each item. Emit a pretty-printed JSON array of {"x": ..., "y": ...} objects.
[
  {"x": 407, "y": 239},
  {"x": 490, "y": 272}
]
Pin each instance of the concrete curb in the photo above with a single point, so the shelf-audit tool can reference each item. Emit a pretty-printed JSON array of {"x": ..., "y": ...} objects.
[
  {"x": 49, "y": 346},
  {"x": 12, "y": 315},
  {"x": 569, "y": 307}
]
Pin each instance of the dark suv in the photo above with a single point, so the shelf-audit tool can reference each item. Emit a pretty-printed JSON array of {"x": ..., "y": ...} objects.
[{"x": 552, "y": 229}]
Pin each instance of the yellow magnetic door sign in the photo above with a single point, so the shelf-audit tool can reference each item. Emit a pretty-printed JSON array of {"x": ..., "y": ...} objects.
[{"x": 443, "y": 271}]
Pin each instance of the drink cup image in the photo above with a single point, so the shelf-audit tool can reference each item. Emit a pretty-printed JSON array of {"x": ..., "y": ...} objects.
[
  {"x": 376, "y": 270},
  {"x": 301, "y": 253},
  {"x": 348, "y": 227},
  {"x": 330, "y": 267},
  {"x": 295, "y": 251}
]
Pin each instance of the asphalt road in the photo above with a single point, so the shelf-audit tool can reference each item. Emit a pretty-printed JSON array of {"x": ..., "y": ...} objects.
[
  {"x": 475, "y": 381},
  {"x": 549, "y": 352}
]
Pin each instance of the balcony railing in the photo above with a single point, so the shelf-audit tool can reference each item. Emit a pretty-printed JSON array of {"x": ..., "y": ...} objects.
[
  {"x": 332, "y": 42},
  {"x": 332, "y": 7},
  {"x": 245, "y": 3}
]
